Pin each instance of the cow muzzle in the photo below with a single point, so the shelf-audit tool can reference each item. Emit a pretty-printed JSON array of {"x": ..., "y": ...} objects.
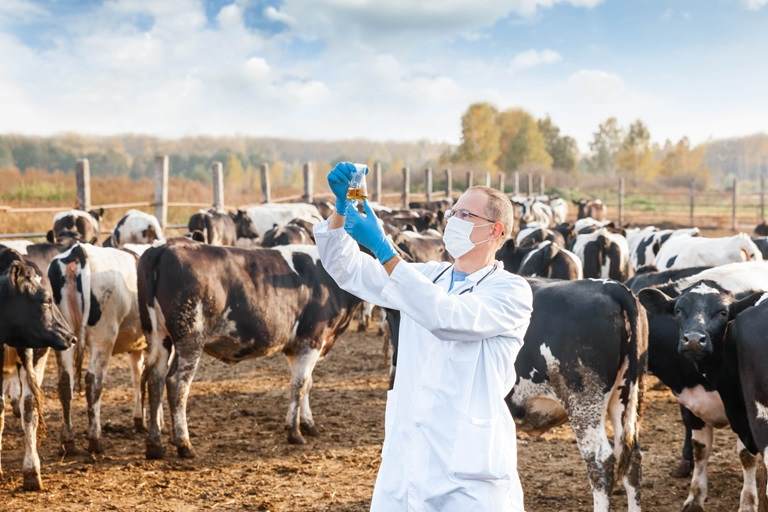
[{"x": 695, "y": 344}]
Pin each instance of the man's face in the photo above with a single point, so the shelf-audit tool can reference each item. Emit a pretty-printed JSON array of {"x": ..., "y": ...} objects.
[{"x": 475, "y": 201}]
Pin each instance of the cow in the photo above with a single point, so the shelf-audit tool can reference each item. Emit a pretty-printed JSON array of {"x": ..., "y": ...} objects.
[
  {"x": 594, "y": 208},
  {"x": 761, "y": 229},
  {"x": 234, "y": 304},
  {"x": 95, "y": 287},
  {"x": 212, "y": 227},
  {"x": 603, "y": 254},
  {"x": 647, "y": 278},
  {"x": 324, "y": 207},
  {"x": 297, "y": 231},
  {"x": 762, "y": 243},
  {"x": 534, "y": 234},
  {"x": 688, "y": 352},
  {"x": 263, "y": 217},
  {"x": 532, "y": 210},
  {"x": 567, "y": 231},
  {"x": 29, "y": 323},
  {"x": 645, "y": 245},
  {"x": 559, "y": 210},
  {"x": 546, "y": 259},
  {"x": 586, "y": 225},
  {"x": 583, "y": 368},
  {"x": 414, "y": 219},
  {"x": 426, "y": 246},
  {"x": 80, "y": 225},
  {"x": 689, "y": 251},
  {"x": 135, "y": 227}
]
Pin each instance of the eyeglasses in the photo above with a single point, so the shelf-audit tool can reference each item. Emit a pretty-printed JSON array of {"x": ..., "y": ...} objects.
[{"x": 463, "y": 214}]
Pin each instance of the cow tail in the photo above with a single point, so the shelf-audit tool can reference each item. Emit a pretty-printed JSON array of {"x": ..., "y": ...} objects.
[
  {"x": 146, "y": 277},
  {"x": 634, "y": 354},
  {"x": 85, "y": 301}
]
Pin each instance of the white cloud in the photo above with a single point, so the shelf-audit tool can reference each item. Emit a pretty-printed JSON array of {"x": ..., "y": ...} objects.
[
  {"x": 271, "y": 13},
  {"x": 256, "y": 69},
  {"x": 596, "y": 86},
  {"x": 532, "y": 58},
  {"x": 755, "y": 5},
  {"x": 22, "y": 10}
]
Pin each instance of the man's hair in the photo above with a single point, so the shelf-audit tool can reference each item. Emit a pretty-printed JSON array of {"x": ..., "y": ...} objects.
[{"x": 499, "y": 208}]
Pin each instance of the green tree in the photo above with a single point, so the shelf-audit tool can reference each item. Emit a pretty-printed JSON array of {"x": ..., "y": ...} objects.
[
  {"x": 605, "y": 145},
  {"x": 520, "y": 141},
  {"x": 635, "y": 158},
  {"x": 562, "y": 148},
  {"x": 479, "y": 135}
]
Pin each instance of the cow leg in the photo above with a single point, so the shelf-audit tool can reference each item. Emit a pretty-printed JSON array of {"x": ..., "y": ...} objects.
[
  {"x": 155, "y": 374},
  {"x": 30, "y": 417},
  {"x": 136, "y": 361},
  {"x": 12, "y": 389},
  {"x": 301, "y": 366},
  {"x": 307, "y": 421},
  {"x": 748, "y": 499},
  {"x": 179, "y": 379},
  {"x": 66, "y": 368},
  {"x": 685, "y": 464},
  {"x": 589, "y": 427},
  {"x": 631, "y": 479},
  {"x": 3, "y": 378},
  {"x": 94, "y": 385},
  {"x": 702, "y": 448},
  {"x": 382, "y": 322}
]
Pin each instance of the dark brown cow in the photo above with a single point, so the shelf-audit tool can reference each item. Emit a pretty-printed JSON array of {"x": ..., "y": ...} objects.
[
  {"x": 297, "y": 231},
  {"x": 212, "y": 227}
]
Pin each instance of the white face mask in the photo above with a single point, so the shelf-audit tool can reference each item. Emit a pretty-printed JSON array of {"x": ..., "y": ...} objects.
[{"x": 456, "y": 236}]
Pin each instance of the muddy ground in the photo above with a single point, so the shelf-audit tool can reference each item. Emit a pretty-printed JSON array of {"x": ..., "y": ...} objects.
[{"x": 243, "y": 462}]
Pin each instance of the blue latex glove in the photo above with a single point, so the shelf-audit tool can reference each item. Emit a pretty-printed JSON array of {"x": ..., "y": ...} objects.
[
  {"x": 338, "y": 180},
  {"x": 367, "y": 231}
]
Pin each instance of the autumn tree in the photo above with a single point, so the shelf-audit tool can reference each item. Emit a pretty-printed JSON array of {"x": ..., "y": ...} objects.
[
  {"x": 680, "y": 164},
  {"x": 479, "y": 135},
  {"x": 605, "y": 145},
  {"x": 562, "y": 148},
  {"x": 635, "y": 157},
  {"x": 521, "y": 143}
]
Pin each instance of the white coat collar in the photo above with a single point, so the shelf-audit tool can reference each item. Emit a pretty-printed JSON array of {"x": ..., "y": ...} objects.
[{"x": 471, "y": 279}]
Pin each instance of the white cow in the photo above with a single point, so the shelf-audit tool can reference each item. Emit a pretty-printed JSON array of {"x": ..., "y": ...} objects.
[
  {"x": 265, "y": 216},
  {"x": 691, "y": 251},
  {"x": 95, "y": 288},
  {"x": 135, "y": 227},
  {"x": 644, "y": 244},
  {"x": 559, "y": 209}
]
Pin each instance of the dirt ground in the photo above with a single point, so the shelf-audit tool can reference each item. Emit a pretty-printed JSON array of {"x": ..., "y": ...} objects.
[{"x": 243, "y": 462}]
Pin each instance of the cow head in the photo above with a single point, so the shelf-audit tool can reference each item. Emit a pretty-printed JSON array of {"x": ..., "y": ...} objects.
[
  {"x": 244, "y": 224},
  {"x": 581, "y": 204},
  {"x": 28, "y": 316},
  {"x": 702, "y": 312}
]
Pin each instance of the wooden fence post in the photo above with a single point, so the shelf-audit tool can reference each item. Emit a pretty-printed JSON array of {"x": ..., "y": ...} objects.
[
  {"x": 501, "y": 182},
  {"x": 83, "y": 182},
  {"x": 470, "y": 176},
  {"x": 530, "y": 184},
  {"x": 733, "y": 204},
  {"x": 161, "y": 190},
  {"x": 406, "y": 187},
  {"x": 217, "y": 170},
  {"x": 309, "y": 183},
  {"x": 428, "y": 184},
  {"x": 517, "y": 183},
  {"x": 691, "y": 199},
  {"x": 621, "y": 202},
  {"x": 487, "y": 179},
  {"x": 377, "y": 182},
  {"x": 762, "y": 191},
  {"x": 266, "y": 194},
  {"x": 448, "y": 183},
  {"x": 542, "y": 187}
]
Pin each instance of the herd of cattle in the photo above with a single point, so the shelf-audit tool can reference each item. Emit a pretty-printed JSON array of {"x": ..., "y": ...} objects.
[{"x": 610, "y": 304}]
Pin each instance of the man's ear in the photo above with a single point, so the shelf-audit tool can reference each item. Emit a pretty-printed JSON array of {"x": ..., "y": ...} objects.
[
  {"x": 656, "y": 301},
  {"x": 738, "y": 306}
]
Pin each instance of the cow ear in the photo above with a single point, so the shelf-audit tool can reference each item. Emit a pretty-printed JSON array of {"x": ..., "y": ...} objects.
[
  {"x": 738, "y": 306},
  {"x": 49, "y": 236},
  {"x": 21, "y": 278},
  {"x": 97, "y": 213},
  {"x": 656, "y": 301}
]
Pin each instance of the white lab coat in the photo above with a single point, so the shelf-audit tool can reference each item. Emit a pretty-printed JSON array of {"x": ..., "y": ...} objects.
[{"x": 449, "y": 440}]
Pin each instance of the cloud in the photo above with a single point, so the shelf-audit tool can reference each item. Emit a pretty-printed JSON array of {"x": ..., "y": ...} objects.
[
  {"x": 532, "y": 58},
  {"x": 595, "y": 86},
  {"x": 20, "y": 10},
  {"x": 271, "y": 13},
  {"x": 755, "y": 5}
]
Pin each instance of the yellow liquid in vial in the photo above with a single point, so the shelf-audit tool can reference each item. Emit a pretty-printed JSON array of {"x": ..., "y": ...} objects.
[{"x": 356, "y": 194}]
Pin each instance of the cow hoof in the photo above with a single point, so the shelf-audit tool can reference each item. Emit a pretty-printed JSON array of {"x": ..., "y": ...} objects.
[
  {"x": 682, "y": 470},
  {"x": 296, "y": 438},
  {"x": 693, "y": 507},
  {"x": 360, "y": 328},
  {"x": 138, "y": 426},
  {"x": 67, "y": 448},
  {"x": 309, "y": 430},
  {"x": 94, "y": 446},
  {"x": 185, "y": 452},
  {"x": 154, "y": 451},
  {"x": 16, "y": 408},
  {"x": 32, "y": 481}
]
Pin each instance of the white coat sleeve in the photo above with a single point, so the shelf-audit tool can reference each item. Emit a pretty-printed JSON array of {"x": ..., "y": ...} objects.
[
  {"x": 502, "y": 307},
  {"x": 353, "y": 270}
]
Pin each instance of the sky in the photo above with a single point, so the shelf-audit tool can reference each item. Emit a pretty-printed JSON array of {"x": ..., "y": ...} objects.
[{"x": 380, "y": 69}]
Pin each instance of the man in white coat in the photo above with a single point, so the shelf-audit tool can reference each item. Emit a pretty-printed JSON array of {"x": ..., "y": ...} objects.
[{"x": 449, "y": 439}]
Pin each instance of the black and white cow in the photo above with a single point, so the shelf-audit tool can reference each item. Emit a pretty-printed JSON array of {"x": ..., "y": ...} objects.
[
  {"x": 534, "y": 234},
  {"x": 762, "y": 243},
  {"x": 647, "y": 278},
  {"x": 583, "y": 368},
  {"x": 79, "y": 225},
  {"x": 235, "y": 304},
  {"x": 263, "y": 217},
  {"x": 532, "y": 210},
  {"x": 559, "y": 210},
  {"x": 95, "y": 287},
  {"x": 425, "y": 246},
  {"x": 691, "y": 251},
  {"x": 414, "y": 219},
  {"x": 761, "y": 229},
  {"x": 700, "y": 385},
  {"x": 297, "y": 231},
  {"x": 546, "y": 259},
  {"x": 29, "y": 324},
  {"x": 135, "y": 227},
  {"x": 645, "y": 245},
  {"x": 212, "y": 227},
  {"x": 604, "y": 254}
]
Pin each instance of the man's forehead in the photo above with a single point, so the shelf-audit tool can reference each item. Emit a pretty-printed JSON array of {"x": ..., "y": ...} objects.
[{"x": 472, "y": 198}]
